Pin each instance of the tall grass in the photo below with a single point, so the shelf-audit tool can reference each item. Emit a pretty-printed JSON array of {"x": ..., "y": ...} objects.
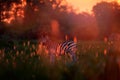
[{"x": 22, "y": 61}]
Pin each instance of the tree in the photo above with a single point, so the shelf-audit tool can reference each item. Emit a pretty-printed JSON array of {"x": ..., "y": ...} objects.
[
  {"x": 107, "y": 16},
  {"x": 37, "y": 14}
]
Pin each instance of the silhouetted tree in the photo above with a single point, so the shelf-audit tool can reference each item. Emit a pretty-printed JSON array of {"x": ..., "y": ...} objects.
[
  {"x": 104, "y": 14},
  {"x": 107, "y": 15}
]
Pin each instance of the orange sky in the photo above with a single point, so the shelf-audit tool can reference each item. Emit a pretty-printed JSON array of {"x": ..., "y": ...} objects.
[{"x": 85, "y": 5}]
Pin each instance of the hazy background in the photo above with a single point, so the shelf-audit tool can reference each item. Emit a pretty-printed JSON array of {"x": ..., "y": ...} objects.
[{"x": 87, "y": 20}]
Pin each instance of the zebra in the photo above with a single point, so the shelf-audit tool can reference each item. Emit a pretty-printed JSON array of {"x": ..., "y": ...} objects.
[{"x": 59, "y": 48}]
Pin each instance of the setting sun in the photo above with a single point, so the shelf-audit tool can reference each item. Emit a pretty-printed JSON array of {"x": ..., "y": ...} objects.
[{"x": 85, "y": 5}]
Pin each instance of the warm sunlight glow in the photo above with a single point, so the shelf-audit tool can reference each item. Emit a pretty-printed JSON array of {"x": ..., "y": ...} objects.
[
  {"x": 105, "y": 51},
  {"x": 55, "y": 28},
  {"x": 118, "y": 1},
  {"x": 85, "y": 5},
  {"x": 16, "y": 11},
  {"x": 66, "y": 37},
  {"x": 75, "y": 39}
]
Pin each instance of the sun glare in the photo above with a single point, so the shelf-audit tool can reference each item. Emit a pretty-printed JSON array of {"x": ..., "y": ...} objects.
[
  {"x": 15, "y": 11},
  {"x": 85, "y": 5}
]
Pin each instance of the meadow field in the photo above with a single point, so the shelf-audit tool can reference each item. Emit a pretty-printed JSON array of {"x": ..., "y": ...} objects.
[
  {"x": 22, "y": 60},
  {"x": 93, "y": 24}
]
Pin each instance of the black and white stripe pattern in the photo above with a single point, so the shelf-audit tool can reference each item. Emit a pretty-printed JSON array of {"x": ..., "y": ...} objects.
[{"x": 62, "y": 48}]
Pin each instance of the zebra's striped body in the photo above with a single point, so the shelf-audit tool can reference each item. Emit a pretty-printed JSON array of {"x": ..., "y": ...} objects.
[{"x": 58, "y": 49}]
